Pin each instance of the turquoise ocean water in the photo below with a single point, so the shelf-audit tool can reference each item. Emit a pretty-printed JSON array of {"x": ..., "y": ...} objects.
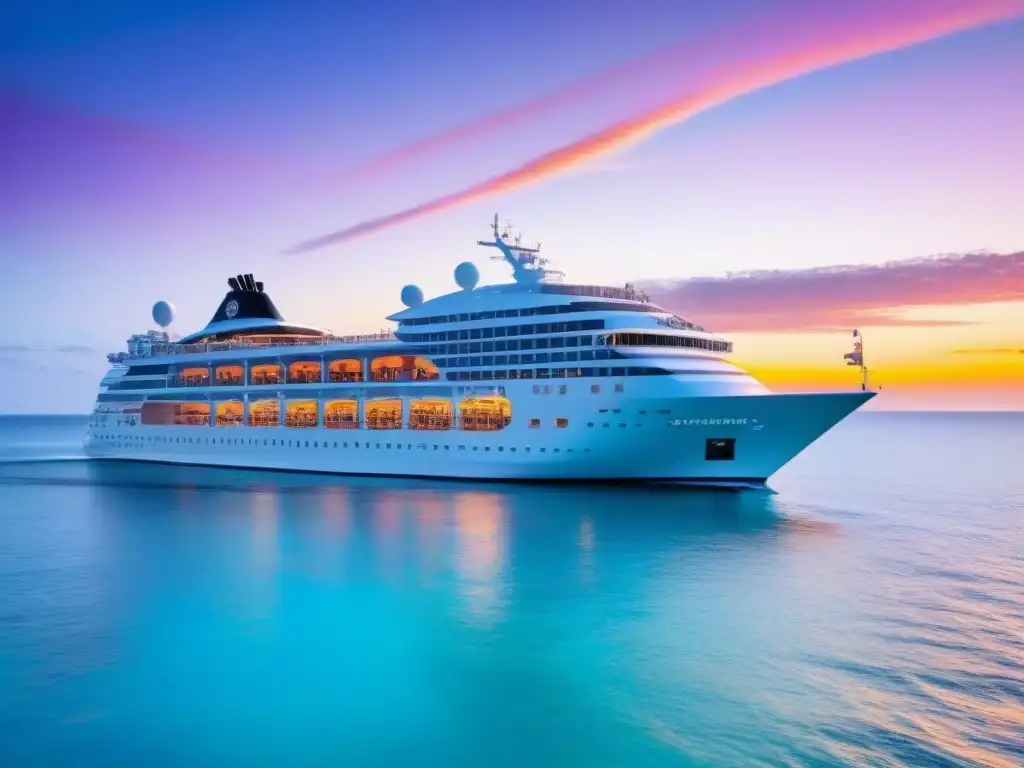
[{"x": 871, "y": 612}]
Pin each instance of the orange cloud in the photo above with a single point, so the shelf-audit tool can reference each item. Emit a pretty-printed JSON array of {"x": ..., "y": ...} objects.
[
  {"x": 831, "y": 298},
  {"x": 723, "y": 84}
]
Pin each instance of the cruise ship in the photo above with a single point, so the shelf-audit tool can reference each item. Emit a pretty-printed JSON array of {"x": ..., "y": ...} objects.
[{"x": 538, "y": 379}]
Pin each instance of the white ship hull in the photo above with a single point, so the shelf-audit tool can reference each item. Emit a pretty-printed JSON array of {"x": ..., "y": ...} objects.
[{"x": 657, "y": 439}]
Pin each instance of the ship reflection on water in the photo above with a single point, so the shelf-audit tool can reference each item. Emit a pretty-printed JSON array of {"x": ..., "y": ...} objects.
[{"x": 479, "y": 544}]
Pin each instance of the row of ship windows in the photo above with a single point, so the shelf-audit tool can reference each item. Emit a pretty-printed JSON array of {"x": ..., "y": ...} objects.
[
  {"x": 495, "y": 375},
  {"x": 559, "y": 342},
  {"x": 527, "y": 357},
  {"x": 558, "y": 309},
  {"x": 553, "y": 373},
  {"x": 501, "y": 331},
  {"x": 511, "y": 345},
  {"x": 126, "y": 441},
  {"x": 630, "y": 339},
  {"x": 471, "y": 414}
]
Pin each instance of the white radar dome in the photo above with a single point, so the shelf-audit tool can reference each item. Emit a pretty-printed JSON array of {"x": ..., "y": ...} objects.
[
  {"x": 467, "y": 275},
  {"x": 412, "y": 296},
  {"x": 163, "y": 313}
]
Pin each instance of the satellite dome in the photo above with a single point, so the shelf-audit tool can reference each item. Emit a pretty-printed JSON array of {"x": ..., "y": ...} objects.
[
  {"x": 412, "y": 296},
  {"x": 467, "y": 275},
  {"x": 163, "y": 313}
]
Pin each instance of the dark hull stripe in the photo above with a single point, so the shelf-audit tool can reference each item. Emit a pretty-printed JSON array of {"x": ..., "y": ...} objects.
[{"x": 693, "y": 481}]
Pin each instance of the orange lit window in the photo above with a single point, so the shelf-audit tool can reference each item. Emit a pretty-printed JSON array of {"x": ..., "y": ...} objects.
[
  {"x": 192, "y": 377},
  {"x": 193, "y": 414},
  {"x": 485, "y": 413},
  {"x": 403, "y": 368},
  {"x": 341, "y": 414},
  {"x": 264, "y": 413},
  {"x": 229, "y": 413},
  {"x": 229, "y": 374},
  {"x": 431, "y": 414},
  {"x": 302, "y": 413},
  {"x": 304, "y": 372},
  {"x": 266, "y": 373},
  {"x": 561, "y": 423},
  {"x": 384, "y": 414},
  {"x": 345, "y": 370}
]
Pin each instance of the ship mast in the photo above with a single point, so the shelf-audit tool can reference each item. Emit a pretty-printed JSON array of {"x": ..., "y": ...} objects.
[{"x": 527, "y": 265}]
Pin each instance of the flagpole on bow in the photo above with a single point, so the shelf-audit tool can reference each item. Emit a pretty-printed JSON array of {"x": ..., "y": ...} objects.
[
  {"x": 863, "y": 368},
  {"x": 857, "y": 358}
]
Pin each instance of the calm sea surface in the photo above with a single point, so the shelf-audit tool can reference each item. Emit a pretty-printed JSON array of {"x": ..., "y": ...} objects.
[{"x": 869, "y": 613}]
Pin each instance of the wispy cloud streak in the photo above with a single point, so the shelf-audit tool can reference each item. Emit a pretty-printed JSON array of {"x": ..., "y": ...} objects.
[
  {"x": 56, "y": 158},
  {"x": 832, "y": 45},
  {"x": 593, "y": 86},
  {"x": 989, "y": 351},
  {"x": 846, "y": 297}
]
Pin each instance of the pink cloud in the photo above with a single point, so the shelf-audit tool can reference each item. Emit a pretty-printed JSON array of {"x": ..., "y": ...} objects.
[{"x": 843, "y": 297}]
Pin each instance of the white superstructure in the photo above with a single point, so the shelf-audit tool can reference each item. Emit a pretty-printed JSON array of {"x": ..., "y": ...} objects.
[{"x": 533, "y": 380}]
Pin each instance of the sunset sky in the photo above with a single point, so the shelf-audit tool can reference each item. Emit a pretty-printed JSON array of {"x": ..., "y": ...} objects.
[{"x": 782, "y": 172}]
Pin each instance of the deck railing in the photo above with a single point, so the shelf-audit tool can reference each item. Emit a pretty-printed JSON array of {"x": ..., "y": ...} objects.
[{"x": 176, "y": 348}]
